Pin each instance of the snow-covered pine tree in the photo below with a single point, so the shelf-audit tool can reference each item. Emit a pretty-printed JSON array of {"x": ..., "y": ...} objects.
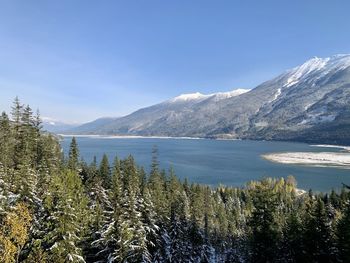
[
  {"x": 180, "y": 246},
  {"x": 153, "y": 233},
  {"x": 105, "y": 243},
  {"x": 102, "y": 214},
  {"x": 132, "y": 245},
  {"x": 66, "y": 224},
  {"x": 5, "y": 192}
]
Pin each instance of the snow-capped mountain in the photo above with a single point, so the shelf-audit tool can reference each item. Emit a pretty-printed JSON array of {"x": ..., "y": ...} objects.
[
  {"x": 56, "y": 126},
  {"x": 309, "y": 102},
  {"x": 159, "y": 116},
  {"x": 310, "y": 98},
  {"x": 196, "y": 97},
  {"x": 316, "y": 66},
  {"x": 188, "y": 97}
]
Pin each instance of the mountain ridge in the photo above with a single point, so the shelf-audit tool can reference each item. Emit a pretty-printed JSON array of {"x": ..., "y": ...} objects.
[{"x": 295, "y": 105}]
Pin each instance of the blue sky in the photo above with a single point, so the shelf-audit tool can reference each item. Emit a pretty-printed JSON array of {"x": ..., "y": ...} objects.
[{"x": 80, "y": 60}]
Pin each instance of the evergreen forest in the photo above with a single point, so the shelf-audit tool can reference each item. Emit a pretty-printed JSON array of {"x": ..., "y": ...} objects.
[{"x": 56, "y": 208}]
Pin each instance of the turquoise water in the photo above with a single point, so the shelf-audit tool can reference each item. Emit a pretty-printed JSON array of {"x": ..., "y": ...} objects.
[{"x": 215, "y": 162}]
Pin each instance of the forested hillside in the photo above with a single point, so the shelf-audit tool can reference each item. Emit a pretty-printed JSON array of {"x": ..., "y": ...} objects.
[{"x": 61, "y": 209}]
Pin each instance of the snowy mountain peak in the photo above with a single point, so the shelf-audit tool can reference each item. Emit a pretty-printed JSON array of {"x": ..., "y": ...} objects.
[
  {"x": 321, "y": 66},
  {"x": 199, "y": 96},
  {"x": 188, "y": 97},
  {"x": 230, "y": 94}
]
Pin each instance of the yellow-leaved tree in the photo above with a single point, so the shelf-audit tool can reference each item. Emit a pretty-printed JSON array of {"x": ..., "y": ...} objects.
[{"x": 14, "y": 233}]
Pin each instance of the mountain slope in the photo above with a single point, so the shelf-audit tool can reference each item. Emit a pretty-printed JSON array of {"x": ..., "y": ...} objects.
[
  {"x": 55, "y": 126},
  {"x": 300, "y": 104},
  {"x": 164, "y": 119},
  {"x": 90, "y": 127},
  {"x": 309, "y": 99}
]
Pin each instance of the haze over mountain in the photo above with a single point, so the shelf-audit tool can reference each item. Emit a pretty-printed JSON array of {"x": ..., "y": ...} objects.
[
  {"x": 56, "y": 126},
  {"x": 307, "y": 103}
]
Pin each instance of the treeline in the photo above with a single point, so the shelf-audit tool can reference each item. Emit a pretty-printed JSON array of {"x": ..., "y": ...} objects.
[{"x": 57, "y": 209}]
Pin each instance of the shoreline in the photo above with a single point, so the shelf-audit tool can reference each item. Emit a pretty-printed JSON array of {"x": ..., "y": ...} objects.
[
  {"x": 319, "y": 159},
  {"x": 346, "y": 148},
  {"x": 128, "y": 137},
  {"x": 103, "y": 136}
]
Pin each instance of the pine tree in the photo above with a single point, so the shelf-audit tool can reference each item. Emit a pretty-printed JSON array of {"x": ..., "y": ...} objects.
[
  {"x": 293, "y": 238},
  {"x": 6, "y": 141},
  {"x": 180, "y": 248},
  {"x": 106, "y": 239},
  {"x": 68, "y": 217},
  {"x": 102, "y": 213},
  {"x": 104, "y": 172},
  {"x": 196, "y": 223},
  {"x": 156, "y": 186},
  {"x": 265, "y": 232},
  {"x": 207, "y": 252},
  {"x": 343, "y": 235},
  {"x": 16, "y": 113},
  {"x": 318, "y": 234},
  {"x": 37, "y": 143},
  {"x": 132, "y": 246},
  {"x": 73, "y": 156},
  {"x": 153, "y": 234}
]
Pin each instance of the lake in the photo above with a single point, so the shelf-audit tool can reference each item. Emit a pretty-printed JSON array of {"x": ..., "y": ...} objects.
[{"x": 214, "y": 162}]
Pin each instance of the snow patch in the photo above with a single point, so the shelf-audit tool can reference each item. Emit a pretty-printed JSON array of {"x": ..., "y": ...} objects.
[
  {"x": 308, "y": 106},
  {"x": 277, "y": 94},
  {"x": 261, "y": 124}
]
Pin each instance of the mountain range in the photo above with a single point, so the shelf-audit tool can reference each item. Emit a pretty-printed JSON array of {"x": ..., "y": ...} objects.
[
  {"x": 309, "y": 103},
  {"x": 56, "y": 126}
]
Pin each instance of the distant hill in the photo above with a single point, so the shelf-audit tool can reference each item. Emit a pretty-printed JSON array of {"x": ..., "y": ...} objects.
[
  {"x": 90, "y": 127},
  {"x": 310, "y": 102},
  {"x": 56, "y": 126}
]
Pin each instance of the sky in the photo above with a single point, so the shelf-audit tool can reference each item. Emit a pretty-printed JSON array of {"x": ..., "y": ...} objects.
[{"x": 80, "y": 60}]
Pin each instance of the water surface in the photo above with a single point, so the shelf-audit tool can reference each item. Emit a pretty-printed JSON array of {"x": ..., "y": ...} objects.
[{"x": 214, "y": 162}]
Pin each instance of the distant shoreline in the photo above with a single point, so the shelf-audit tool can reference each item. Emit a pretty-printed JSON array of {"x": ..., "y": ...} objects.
[
  {"x": 347, "y": 148},
  {"x": 128, "y": 137},
  {"x": 101, "y": 136},
  {"x": 315, "y": 159}
]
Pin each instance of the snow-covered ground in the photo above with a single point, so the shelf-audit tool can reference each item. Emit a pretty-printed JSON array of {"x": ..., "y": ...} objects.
[{"x": 322, "y": 159}]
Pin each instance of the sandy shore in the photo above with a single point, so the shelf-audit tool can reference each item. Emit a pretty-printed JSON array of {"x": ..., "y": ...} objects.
[{"x": 322, "y": 159}]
